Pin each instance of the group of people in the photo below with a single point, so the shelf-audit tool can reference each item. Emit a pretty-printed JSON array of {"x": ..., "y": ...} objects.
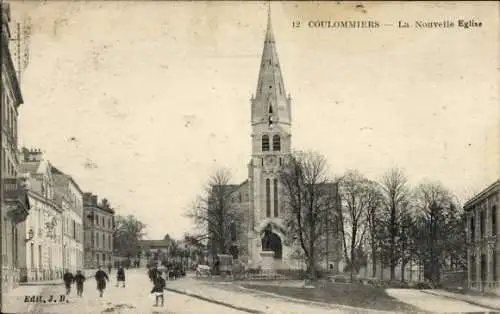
[
  {"x": 100, "y": 276},
  {"x": 79, "y": 279}
]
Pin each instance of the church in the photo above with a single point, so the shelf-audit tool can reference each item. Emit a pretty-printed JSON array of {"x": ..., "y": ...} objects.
[{"x": 259, "y": 198}]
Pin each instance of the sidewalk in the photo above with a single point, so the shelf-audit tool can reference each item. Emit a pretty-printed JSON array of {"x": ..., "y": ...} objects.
[
  {"x": 253, "y": 302},
  {"x": 87, "y": 273},
  {"x": 488, "y": 302}
]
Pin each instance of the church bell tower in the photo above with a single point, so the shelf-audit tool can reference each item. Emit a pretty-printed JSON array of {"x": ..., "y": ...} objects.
[{"x": 271, "y": 140}]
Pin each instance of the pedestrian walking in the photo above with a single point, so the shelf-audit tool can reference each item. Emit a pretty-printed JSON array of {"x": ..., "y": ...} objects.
[
  {"x": 79, "y": 279},
  {"x": 101, "y": 277},
  {"x": 120, "y": 277},
  {"x": 68, "y": 280},
  {"x": 158, "y": 287},
  {"x": 109, "y": 268}
]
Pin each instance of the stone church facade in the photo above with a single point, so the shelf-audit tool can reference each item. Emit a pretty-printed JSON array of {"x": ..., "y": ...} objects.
[{"x": 259, "y": 199}]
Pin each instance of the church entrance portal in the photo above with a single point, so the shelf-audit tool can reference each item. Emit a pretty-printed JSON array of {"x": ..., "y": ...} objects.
[{"x": 272, "y": 242}]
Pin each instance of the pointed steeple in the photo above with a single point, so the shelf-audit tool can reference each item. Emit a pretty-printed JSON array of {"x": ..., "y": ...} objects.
[
  {"x": 270, "y": 87},
  {"x": 269, "y": 30}
]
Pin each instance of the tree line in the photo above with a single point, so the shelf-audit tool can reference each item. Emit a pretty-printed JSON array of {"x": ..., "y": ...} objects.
[{"x": 386, "y": 221}]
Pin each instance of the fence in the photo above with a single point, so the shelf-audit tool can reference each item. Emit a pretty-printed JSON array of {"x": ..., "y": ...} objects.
[
  {"x": 40, "y": 274},
  {"x": 10, "y": 278},
  {"x": 486, "y": 286},
  {"x": 454, "y": 279}
]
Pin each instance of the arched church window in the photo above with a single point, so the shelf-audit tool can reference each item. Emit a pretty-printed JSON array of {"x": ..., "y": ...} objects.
[
  {"x": 276, "y": 143},
  {"x": 268, "y": 198},
  {"x": 265, "y": 143},
  {"x": 275, "y": 183}
]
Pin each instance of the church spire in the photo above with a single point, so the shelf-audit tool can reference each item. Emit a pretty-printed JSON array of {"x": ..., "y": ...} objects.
[
  {"x": 269, "y": 30},
  {"x": 271, "y": 94}
]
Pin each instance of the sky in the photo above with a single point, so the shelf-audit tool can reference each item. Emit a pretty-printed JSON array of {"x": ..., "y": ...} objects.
[{"x": 141, "y": 101}]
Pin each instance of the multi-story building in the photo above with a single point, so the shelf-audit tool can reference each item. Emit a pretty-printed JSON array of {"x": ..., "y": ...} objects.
[
  {"x": 483, "y": 251},
  {"x": 98, "y": 224},
  {"x": 43, "y": 227},
  {"x": 70, "y": 197},
  {"x": 14, "y": 201}
]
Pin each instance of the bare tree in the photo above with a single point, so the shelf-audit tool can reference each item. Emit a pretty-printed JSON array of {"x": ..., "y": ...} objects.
[
  {"x": 374, "y": 216},
  {"x": 396, "y": 194},
  {"x": 357, "y": 196},
  {"x": 307, "y": 197},
  {"x": 215, "y": 215},
  {"x": 405, "y": 244},
  {"x": 439, "y": 222}
]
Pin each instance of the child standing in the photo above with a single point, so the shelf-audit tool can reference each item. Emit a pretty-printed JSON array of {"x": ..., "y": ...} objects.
[{"x": 159, "y": 286}]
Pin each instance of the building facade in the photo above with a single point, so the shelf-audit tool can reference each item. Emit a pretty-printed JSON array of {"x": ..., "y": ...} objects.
[
  {"x": 483, "y": 251},
  {"x": 43, "y": 244},
  {"x": 98, "y": 224},
  {"x": 15, "y": 204},
  {"x": 70, "y": 197},
  {"x": 260, "y": 198}
]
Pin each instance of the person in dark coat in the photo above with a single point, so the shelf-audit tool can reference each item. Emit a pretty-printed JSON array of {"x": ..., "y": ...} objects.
[
  {"x": 109, "y": 268},
  {"x": 101, "y": 277},
  {"x": 153, "y": 273},
  {"x": 120, "y": 276},
  {"x": 68, "y": 280},
  {"x": 159, "y": 286},
  {"x": 79, "y": 279}
]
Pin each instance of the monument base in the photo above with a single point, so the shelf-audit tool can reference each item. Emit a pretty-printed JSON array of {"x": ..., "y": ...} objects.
[{"x": 267, "y": 262}]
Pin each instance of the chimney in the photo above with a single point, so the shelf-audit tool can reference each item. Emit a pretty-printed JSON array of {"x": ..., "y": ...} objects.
[
  {"x": 94, "y": 200},
  {"x": 31, "y": 154},
  {"x": 86, "y": 197},
  {"x": 105, "y": 203}
]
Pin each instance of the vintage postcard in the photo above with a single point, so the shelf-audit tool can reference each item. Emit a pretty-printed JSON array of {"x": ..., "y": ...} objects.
[{"x": 250, "y": 157}]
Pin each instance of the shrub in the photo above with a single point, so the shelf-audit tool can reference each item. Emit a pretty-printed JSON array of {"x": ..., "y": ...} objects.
[{"x": 423, "y": 285}]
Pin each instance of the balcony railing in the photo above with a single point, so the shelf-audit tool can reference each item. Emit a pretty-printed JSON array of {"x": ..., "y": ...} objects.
[{"x": 16, "y": 198}]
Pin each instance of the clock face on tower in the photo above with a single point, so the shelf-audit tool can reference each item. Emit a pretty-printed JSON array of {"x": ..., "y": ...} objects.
[{"x": 270, "y": 161}]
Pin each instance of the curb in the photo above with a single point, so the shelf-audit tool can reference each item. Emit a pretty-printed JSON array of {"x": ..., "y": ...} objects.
[
  {"x": 322, "y": 304},
  {"x": 197, "y": 296},
  {"x": 495, "y": 309}
]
